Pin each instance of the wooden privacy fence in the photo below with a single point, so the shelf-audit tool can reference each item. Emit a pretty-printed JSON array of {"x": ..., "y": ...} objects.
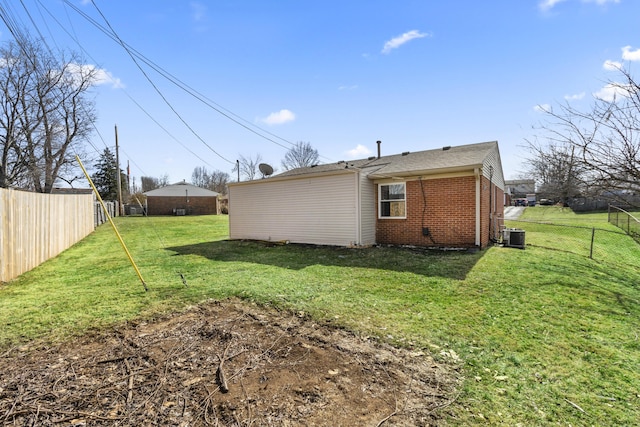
[
  {"x": 100, "y": 214},
  {"x": 35, "y": 227}
]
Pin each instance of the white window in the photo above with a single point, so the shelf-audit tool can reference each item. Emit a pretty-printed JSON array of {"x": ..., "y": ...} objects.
[{"x": 391, "y": 200}]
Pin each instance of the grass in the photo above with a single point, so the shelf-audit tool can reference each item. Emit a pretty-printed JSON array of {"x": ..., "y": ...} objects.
[{"x": 540, "y": 336}]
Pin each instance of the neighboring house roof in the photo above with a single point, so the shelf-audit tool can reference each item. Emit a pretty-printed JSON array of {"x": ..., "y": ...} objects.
[
  {"x": 181, "y": 189},
  {"x": 65, "y": 190},
  {"x": 520, "y": 186},
  {"x": 444, "y": 159},
  {"x": 520, "y": 182}
]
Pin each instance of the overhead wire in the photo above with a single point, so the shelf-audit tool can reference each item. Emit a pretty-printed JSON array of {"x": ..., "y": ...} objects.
[
  {"x": 9, "y": 17},
  {"x": 155, "y": 87},
  {"x": 77, "y": 41},
  {"x": 133, "y": 53},
  {"x": 46, "y": 24},
  {"x": 165, "y": 130},
  {"x": 246, "y": 124},
  {"x": 158, "y": 236}
]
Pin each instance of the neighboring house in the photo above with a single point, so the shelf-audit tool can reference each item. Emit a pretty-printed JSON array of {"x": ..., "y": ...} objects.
[
  {"x": 448, "y": 197},
  {"x": 181, "y": 199},
  {"x": 65, "y": 190},
  {"x": 519, "y": 191},
  {"x": 520, "y": 187}
]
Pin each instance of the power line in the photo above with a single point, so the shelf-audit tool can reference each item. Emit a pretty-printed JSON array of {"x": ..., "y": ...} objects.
[
  {"x": 180, "y": 84},
  {"x": 156, "y": 88},
  {"x": 133, "y": 53},
  {"x": 74, "y": 38}
]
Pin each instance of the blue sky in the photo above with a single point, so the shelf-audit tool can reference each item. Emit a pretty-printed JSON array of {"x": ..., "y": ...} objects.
[{"x": 340, "y": 75}]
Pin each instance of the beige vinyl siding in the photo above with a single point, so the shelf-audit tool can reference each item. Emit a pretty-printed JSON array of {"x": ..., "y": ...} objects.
[
  {"x": 493, "y": 159},
  {"x": 320, "y": 210},
  {"x": 368, "y": 211}
]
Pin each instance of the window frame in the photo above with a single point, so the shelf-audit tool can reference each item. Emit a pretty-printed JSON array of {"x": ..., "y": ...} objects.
[{"x": 381, "y": 201}]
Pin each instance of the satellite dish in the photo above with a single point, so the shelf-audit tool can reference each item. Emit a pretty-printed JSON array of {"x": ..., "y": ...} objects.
[{"x": 265, "y": 169}]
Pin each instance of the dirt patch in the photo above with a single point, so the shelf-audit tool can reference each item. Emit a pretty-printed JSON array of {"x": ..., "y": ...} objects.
[{"x": 277, "y": 369}]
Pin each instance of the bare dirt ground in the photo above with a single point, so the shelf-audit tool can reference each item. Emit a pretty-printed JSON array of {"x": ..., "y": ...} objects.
[{"x": 223, "y": 364}]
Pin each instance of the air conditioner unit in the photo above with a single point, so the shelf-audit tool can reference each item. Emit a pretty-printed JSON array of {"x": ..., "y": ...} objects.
[
  {"x": 513, "y": 238},
  {"x": 181, "y": 212}
]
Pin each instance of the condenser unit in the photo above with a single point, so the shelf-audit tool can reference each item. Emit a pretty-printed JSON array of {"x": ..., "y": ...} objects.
[{"x": 513, "y": 238}]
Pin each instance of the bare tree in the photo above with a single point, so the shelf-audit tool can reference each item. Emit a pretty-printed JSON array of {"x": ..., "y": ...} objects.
[
  {"x": 13, "y": 83},
  {"x": 559, "y": 173},
  {"x": 200, "y": 177},
  {"x": 45, "y": 113},
  {"x": 300, "y": 155},
  {"x": 601, "y": 144},
  {"x": 219, "y": 181},
  {"x": 215, "y": 181},
  {"x": 248, "y": 166},
  {"x": 149, "y": 183}
]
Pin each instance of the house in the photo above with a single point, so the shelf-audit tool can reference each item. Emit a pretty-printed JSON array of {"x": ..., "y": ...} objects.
[
  {"x": 181, "y": 199},
  {"x": 447, "y": 197},
  {"x": 519, "y": 189}
]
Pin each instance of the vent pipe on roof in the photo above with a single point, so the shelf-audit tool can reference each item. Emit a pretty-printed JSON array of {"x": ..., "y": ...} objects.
[{"x": 378, "y": 142}]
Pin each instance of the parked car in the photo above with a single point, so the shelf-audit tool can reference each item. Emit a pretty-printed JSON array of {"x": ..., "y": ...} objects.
[
  {"x": 546, "y": 202},
  {"x": 521, "y": 202}
]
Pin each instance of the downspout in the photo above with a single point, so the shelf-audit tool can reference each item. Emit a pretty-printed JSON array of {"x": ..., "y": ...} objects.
[
  {"x": 491, "y": 209},
  {"x": 476, "y": 172}
]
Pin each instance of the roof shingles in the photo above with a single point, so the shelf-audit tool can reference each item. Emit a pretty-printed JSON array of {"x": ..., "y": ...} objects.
[{"x": 442, "y": 159}]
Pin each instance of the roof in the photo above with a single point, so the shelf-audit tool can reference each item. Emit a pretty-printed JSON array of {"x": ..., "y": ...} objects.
[
  {"x": 520, "y": 181},
  {"x": 65, "y": 190},
  {"x": 181, "y": 189},
  {"x": 462, "y": 157}
]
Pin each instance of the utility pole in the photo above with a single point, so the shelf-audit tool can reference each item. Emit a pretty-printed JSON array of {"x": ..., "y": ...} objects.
[{"x": 118, "y": 177}]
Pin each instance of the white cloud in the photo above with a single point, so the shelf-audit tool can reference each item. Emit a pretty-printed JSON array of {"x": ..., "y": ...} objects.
[
  {"x": 548, "y": 4},
  {"x": 396, "y": 42},
  {"x": 542, "y": 108},
  {"x": 105, "y": 77},
  {"x": 100, "y": 76},
  {"x": 574, "y": 97},
  {"x": 279, "y": 117},
  {"x": 630, "y": 55},
  {"x": 348, "y": 87},
  {"x": 4, "y": 62},
  {"x": 612, "y": 92},
  {"x": 611, "y": 65},
  {"x": 358, "y": 152}
]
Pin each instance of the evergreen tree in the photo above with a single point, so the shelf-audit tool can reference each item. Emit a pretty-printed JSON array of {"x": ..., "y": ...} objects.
[{"x": 105, "y": 178}]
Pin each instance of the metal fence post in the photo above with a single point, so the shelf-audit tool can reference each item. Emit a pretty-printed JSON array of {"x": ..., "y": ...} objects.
[{"x": 593, "y": 235}]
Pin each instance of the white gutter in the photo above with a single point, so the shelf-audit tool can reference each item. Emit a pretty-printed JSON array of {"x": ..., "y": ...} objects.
[{"x": 476, "y": 172}]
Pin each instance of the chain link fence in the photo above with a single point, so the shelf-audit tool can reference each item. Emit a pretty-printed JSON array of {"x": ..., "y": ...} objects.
[
  {"x": 625, "y": 221},
  {"x": 591, "y": 242}
]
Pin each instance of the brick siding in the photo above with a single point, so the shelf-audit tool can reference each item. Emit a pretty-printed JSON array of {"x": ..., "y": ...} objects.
[
  {"x": 192, "y": 206},
  {"x": 447, "y": 207}
]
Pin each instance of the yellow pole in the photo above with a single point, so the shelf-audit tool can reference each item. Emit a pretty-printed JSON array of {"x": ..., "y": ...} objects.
[{"x": 135, "y": 267}]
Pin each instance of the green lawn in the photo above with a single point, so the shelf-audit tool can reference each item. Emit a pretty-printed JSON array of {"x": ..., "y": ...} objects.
[{"x": 541, "y": 336}]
